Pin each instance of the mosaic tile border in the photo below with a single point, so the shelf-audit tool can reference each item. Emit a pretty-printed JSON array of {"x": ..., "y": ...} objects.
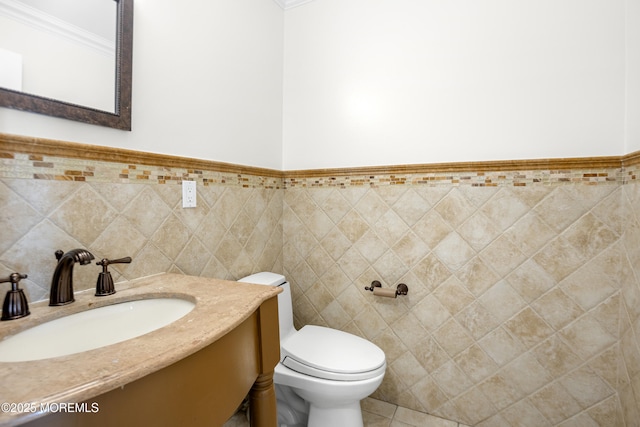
[
  {"x": 39, "y": 158},
  {"x": 29, "y": 166},
  {"x": 36, "y": 158},
  {"x": 474, "y": 179}
]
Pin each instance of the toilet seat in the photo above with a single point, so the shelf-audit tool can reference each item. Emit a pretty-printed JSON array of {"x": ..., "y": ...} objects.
[{"x": 331, "y": 354}]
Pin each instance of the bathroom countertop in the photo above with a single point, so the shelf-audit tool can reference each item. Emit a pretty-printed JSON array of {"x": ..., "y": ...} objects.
[{"x": 220, "y": 307}]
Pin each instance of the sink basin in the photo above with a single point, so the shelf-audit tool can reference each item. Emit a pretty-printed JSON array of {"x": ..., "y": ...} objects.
[{"x": 93, "y": 329}]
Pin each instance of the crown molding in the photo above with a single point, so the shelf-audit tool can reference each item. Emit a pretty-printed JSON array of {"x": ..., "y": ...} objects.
[
  {"x": 39, "y": 20},
  {"x": 290, "y": 4}
]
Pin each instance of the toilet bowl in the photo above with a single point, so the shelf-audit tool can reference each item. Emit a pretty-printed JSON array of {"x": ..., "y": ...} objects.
[{"x": 323, "y": 373}]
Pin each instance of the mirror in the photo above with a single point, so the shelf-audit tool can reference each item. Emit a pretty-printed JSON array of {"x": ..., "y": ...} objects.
[{"x": 103, "y": 56}]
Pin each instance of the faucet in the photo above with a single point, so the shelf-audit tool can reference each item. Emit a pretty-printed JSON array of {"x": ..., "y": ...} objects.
[
  {"x": 15, "y": 302},
  {"x": 61, "y": 292}
]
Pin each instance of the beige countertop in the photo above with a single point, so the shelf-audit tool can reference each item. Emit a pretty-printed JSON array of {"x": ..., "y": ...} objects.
[{"x": 220, "y": 306}]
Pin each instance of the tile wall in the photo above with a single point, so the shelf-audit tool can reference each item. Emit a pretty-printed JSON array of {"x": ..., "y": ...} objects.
[
  {"x": 524, "y": 298},
  {"x": 117, "y": 210},
  {"x": 514, "y": 291},
  {"x": 629, "y": 335}
]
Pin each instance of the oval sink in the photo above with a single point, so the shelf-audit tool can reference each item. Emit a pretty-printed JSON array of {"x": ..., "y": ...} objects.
[{"x": 93, "y": 329}]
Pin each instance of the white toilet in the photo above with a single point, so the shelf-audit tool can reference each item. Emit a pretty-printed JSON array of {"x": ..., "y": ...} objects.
[{"x": 323, "y": 373}]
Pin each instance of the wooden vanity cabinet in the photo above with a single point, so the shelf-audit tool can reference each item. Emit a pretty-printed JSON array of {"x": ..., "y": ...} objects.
[{"x": 204, "y": 389}]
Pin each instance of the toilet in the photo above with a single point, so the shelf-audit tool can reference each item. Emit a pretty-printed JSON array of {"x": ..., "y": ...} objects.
[{"x": 323, "y": 373}]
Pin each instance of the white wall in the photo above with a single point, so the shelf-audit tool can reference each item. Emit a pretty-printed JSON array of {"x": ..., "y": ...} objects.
[
  {"x": 633, "y": 77},
  {"x": 376, "y": 82},
  {"x": 207, "y": 83}
]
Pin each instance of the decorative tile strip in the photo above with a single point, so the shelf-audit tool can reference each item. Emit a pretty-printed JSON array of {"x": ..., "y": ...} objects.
[
  {"x": 34, "y": 158},
  {"x": 37, "y": 158},
  {"x": 23, "y": 166},
  {"x": 516, "y": 178},
  {"x": 55, "y": 168}
]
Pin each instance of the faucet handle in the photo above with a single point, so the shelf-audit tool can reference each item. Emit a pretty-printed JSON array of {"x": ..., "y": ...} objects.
[
  {"x": 14, "y": 278},
  {"x": 105, "y": 262},
  {"x": 15, "y": 303},
  {"x": 104, "y": 285}
]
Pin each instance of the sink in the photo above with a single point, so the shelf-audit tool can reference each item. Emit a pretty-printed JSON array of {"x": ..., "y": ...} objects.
[{"x": 94, "y": 328}]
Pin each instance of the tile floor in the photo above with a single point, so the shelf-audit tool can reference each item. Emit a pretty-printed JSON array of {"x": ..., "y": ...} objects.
[{"x": 377, "y": 413}]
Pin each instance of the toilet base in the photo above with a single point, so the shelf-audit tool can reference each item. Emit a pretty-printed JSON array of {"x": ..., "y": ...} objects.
[
  {"x": 293, "y": 411},
  {"x": 320, "y": 402},
  {"x": 344, "y": 416}
]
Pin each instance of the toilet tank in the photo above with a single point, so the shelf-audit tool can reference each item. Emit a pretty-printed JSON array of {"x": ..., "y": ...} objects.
[{"x": 285, "y": 304}]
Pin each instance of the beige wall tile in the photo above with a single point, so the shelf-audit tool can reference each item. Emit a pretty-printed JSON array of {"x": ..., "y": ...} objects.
[
  {"x": 596, "y": 280},
  {"x": 559, "y": 258},
  {"x": 478, "y": 231},
  {"x": 455, "y": 208},
  {"x": 530, "y": 233},
  {"x": 507, "y": 206},
  {"x": 580, "y": 420},
  {"x": 525, "y": 414},
  {"x": 502, "y": 256},
  {"x": 429, "y": 394},
  {"x": 560, "y": 208},
  {"x": 476, "y": 319},
  {"x": 500, "y": 392},
  {"x": 586, "y": 387},
  {"x": 414, "y": 418},
  {"x": 557, "y": 357},
  {"x": 557, "y": 309},
  {"x": 408, "y": 369},
  {"x": 606, "y": 413},
  {"x": 451, "y": 380},
  {"x": 530, "y": 280},
  {"x": 516, "y": 293},
  {"x": 590, "y": 236},
  {"x": 452, "y": 337},
  {"x": 476, "y": 276},
  {"x": 476, "y": 364},
  {"x": 555, "y": 403},
  {"x": 526, "y": 374},
  {"x": 587, "y": 336},
  {"x": 84, "y": 214},
  {"x": 453, "y": 295},
  {"x": 453, "y": 251},
  {"x": 501, "y": 346},
  {"x": 502, "y": 301},
  {"x": 474, "y": 406}
]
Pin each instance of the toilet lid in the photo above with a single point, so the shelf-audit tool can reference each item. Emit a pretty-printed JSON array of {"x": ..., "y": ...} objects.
[{"x": 331, "y": 354}]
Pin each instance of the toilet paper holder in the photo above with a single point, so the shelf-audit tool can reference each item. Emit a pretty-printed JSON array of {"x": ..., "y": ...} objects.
[{"x": 401, "y": 289}]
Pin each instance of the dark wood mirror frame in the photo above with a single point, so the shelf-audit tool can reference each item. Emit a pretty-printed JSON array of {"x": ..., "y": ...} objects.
[{"x": 121, "y": 119}]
